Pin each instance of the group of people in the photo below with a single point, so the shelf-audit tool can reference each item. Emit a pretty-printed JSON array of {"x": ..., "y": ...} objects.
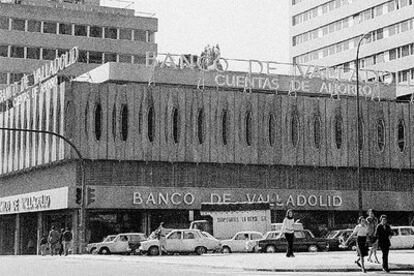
[
  {"x": 58, "y": 242},
  {"x": 371, "y": 235}
]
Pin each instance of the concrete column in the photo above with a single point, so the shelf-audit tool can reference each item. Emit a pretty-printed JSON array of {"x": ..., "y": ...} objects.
[
  {"x": 39, "y": 231},
  {"x": 75, "y": 232},
  {"x": 146, "y": 222},
  {"x": 17, "y": 242},
  {"x": 331, "y": 220}
]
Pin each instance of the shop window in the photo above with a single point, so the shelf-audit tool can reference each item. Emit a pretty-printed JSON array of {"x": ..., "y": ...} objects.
[
  {"x": 83, "y": 56},
  {"x": 95, "y": 57},
  {"x": 338, "y": 131},
  {"x": 224, "y": 125},
  {"x": 86, "y": 120},
  {"x": 401, "y": 135},
  {"x": 16, "y": 52},
  {"x": 3, "y": 78},
  {"x": 80, "y": 30},
  {"x": 140, "y": 35},
  {"x": 176, "y": 125},
  {"x": 271, "y": 129},
  {"x": 114, "y": 122},
  {"x": 381, "y": 135},
  {"x": 34, "y": 26},
  {"x": 65, "y": 29},
  {"x": 95, "y": 31},
  {"x": 125, "y": 34},
  {"x": 125, "y": 58},
  {"x": 317, "y": 131},
  {"x": 361, "y": 134},
  {"x": 124, "y": 122},
  {"x": 4, "y": 23},
  {"x": 111, "y": 33},
  {"x": 4, "y": 50},
  {"x": 18, "y": 24},
  {"x": 98, "y": 121},
  {"x": 151, "y": 123},
  {"x": 33, "y": 53},
  {"x": 110, "y": 57},
  {"x": 294, "y": 128},
  {"x": 49, "y": 27},
  {"x": 248, "y": 128},
  {"x": 49, "y": 54},
  {"x": 200, "y": 126}
]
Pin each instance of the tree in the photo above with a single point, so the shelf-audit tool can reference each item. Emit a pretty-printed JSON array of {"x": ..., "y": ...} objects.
[{"x": 210, "y": 56}]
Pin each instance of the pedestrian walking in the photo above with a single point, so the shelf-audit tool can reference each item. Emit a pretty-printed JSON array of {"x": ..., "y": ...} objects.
[
  {"x": 384, "y": 234},
  {"x": 160, "y": 234},
  {"x": 54, "y": 239},
  {"x": 289, "y": 232},
  {"x": 43, "y": 245},
  {"x": 61, "y": 242},
  {"x": 361, "y": 231},
  {"x": 66, "y": 240},
  {"x": 372, "y": 240}
]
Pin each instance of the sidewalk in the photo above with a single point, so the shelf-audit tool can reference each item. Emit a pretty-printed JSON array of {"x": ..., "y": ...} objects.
[{"x": 303, "y": 262}]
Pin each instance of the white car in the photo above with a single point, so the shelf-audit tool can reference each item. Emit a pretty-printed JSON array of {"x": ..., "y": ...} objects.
[
  {"x": 403, "y": 237},
  {"x": 179, "y": 241},
  {"x": 212, "y": 244},
  {"x": 91, "y": 247},
  {"x": 271, "y": 235},
  {"x": 245, "y": 241},
  {"x": 119, "y": 244}
]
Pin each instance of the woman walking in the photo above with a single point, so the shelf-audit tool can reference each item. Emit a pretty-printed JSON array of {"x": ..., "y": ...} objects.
[
  {"x": 372, "y": 240},
  {"x": 361, "y": 231},
  {"x": 288, "y": 230}
]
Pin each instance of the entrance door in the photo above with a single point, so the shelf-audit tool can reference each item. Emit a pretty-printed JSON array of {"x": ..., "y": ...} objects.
[
  {"x": 28, "y": 233},
  {"x": 7, "y": 234}
]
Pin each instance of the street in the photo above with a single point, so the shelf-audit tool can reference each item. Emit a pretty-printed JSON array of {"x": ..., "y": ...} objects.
[{"x": 335, "y": 263}]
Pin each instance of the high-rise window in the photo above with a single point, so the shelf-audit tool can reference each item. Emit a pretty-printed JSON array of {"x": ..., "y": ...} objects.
[
  {"x": 3, "y": 78},
  {"x": 65, "y": 29},
  {"x": 95, "y": 31},
  {"x": 98, "y": 121},
  {"x": 125, "y": 58},
  {"x": 95, "y": 57},
  {"x": 18, "y": 24},
  {"x": 224, "y": 127},
  {"x": 4, "y": 50},
  {"x": 34, "y": 26},
  {"x": 83, "y": 56},
  {"x": 381, "y": 135},
  {"x": 200, "y": 126},
  {"x": 401, "y": 135},
  {"x": 80, "y": 30},
  {"x": 49, "y": 27},
  {"x": 110, "y": 57},
  {"x": 338, "y": 130},
  {"x": 111, "y": 33},
  {"x": 17, "y": 52},
  {"x": 176, "y": 125},
  {"x": 248, "y": 128},
  {"x": 151, "y": 123},
  {"x": 4, "y": 23},
  {"x": 271, "y": 129},
  {"x": 124, "y": 122},
  {"x": 125, "y": 34},
  {"x": 140, "y": 35},
  {"x": 49, "y": 54},
  {"x": 33, "y": 53}
]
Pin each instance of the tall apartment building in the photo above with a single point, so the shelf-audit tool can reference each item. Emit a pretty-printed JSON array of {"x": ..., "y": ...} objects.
[
  {"x": 35, "y": 31},
  {"x": 326, "y": 32}
]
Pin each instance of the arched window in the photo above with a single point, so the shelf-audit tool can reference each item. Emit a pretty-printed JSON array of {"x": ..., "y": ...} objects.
[
  {"x": 140, "y": 120},
  {"x": 200, "y": 126},
  {"x": 176, "y": 125},
  {"x": 114, "y": 122},
  {"x": 124, "y": 122},
  {"x": 271, "y": 126},
  {"x": 401, "y": 135},
  {"x": 317, "y": 131},
  {"x": 248, "y": 126},
  {"x": 294, "y": 128},
  {"x": 338, "y": 131},
  {"x": 151, "y": 123},
  {"x": 98, "y": 121},
  {"x": 224, "y": 124},
  {"x": 361, "y": 134},
  {"x": 86, "y": 120},
  {"x": 381, "y": 135}
]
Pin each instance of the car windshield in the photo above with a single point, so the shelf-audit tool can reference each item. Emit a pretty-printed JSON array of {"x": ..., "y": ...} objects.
[
  {"x": 272, "y": 235},
  {"x": 207, "y": 235},
  {"x": 109, "y": 238},
  {"x": 331, "y": 234}
]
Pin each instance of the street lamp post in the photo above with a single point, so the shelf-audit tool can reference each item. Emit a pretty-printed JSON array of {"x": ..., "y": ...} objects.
[
  {"x": 82, "y": 219},
  {"x": 357, "y": 127}
]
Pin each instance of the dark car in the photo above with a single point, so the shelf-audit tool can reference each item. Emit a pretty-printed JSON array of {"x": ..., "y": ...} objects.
[
  {"x": 341, "y": 235},
  {"x": 304, "y": 241},
  {"x": 134, "y": 243}
]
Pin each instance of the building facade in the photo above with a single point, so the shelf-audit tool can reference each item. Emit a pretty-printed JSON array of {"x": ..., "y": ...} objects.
[
  {"x": 157, "y": 145},
  {"x": 33, "y": 32},
  {"x": 326, "y": 32}
]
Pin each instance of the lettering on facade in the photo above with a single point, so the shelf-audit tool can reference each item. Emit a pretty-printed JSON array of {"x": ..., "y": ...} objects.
[
  {"x": 20, "y": 91},
  {"x": 23, "y": 204}
]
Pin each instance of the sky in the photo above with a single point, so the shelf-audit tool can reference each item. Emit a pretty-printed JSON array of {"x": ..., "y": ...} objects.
[{"x": 245, "y": 29}]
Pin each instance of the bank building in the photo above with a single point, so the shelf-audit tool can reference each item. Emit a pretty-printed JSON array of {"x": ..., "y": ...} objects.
[{"x": 160, "y": 139}]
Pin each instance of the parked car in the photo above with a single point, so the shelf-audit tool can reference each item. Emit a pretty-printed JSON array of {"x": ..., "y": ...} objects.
[
  {"x": 119, "y": 244},
  {"x": 403, "y": 237},
  {"x": 341, "y": 235},
  {"x": 179, "y": 241},
  {"x": 213, "y": 244},
  {"x": 91, "y": 247},
  {"x": 245, "y": 241},
  {"x": 304, "y": 241},
  {"x": 134, "y": 243}
]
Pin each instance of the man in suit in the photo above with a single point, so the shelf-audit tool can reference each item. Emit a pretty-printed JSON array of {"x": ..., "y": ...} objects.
[{"x": 383, "y": 234}]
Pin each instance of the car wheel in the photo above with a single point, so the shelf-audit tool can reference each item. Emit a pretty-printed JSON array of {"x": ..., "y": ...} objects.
[
  {"x": 93, "y": 250},
  {"x": 153, "y": 251},
  {"x": 226, "y": 250},
  {"x": 270, "y": 249},
  {"x": 313, "y": 248},
  {"x": 354, "y": 248},
  {"x": 104, "y": 251},
  {"x": 200, "y": 250}
]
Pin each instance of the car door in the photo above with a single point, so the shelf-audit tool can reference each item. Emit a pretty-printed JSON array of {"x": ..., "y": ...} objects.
[
  {"x": 238, "y": 243},
  {"x": 173, "y": 242},
  {"x": 189, "y": 241},
  {"x": 405, "y": 237},
  {"x": 300, "y": 243},
  {"x": 396, "y": 238},
  {"x": 120, "y": 244}
]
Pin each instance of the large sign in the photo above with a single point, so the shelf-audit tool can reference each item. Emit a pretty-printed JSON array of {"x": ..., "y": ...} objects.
[
  {"x": 46, "y": 200},
  {"x": 40, "y": 80}
]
